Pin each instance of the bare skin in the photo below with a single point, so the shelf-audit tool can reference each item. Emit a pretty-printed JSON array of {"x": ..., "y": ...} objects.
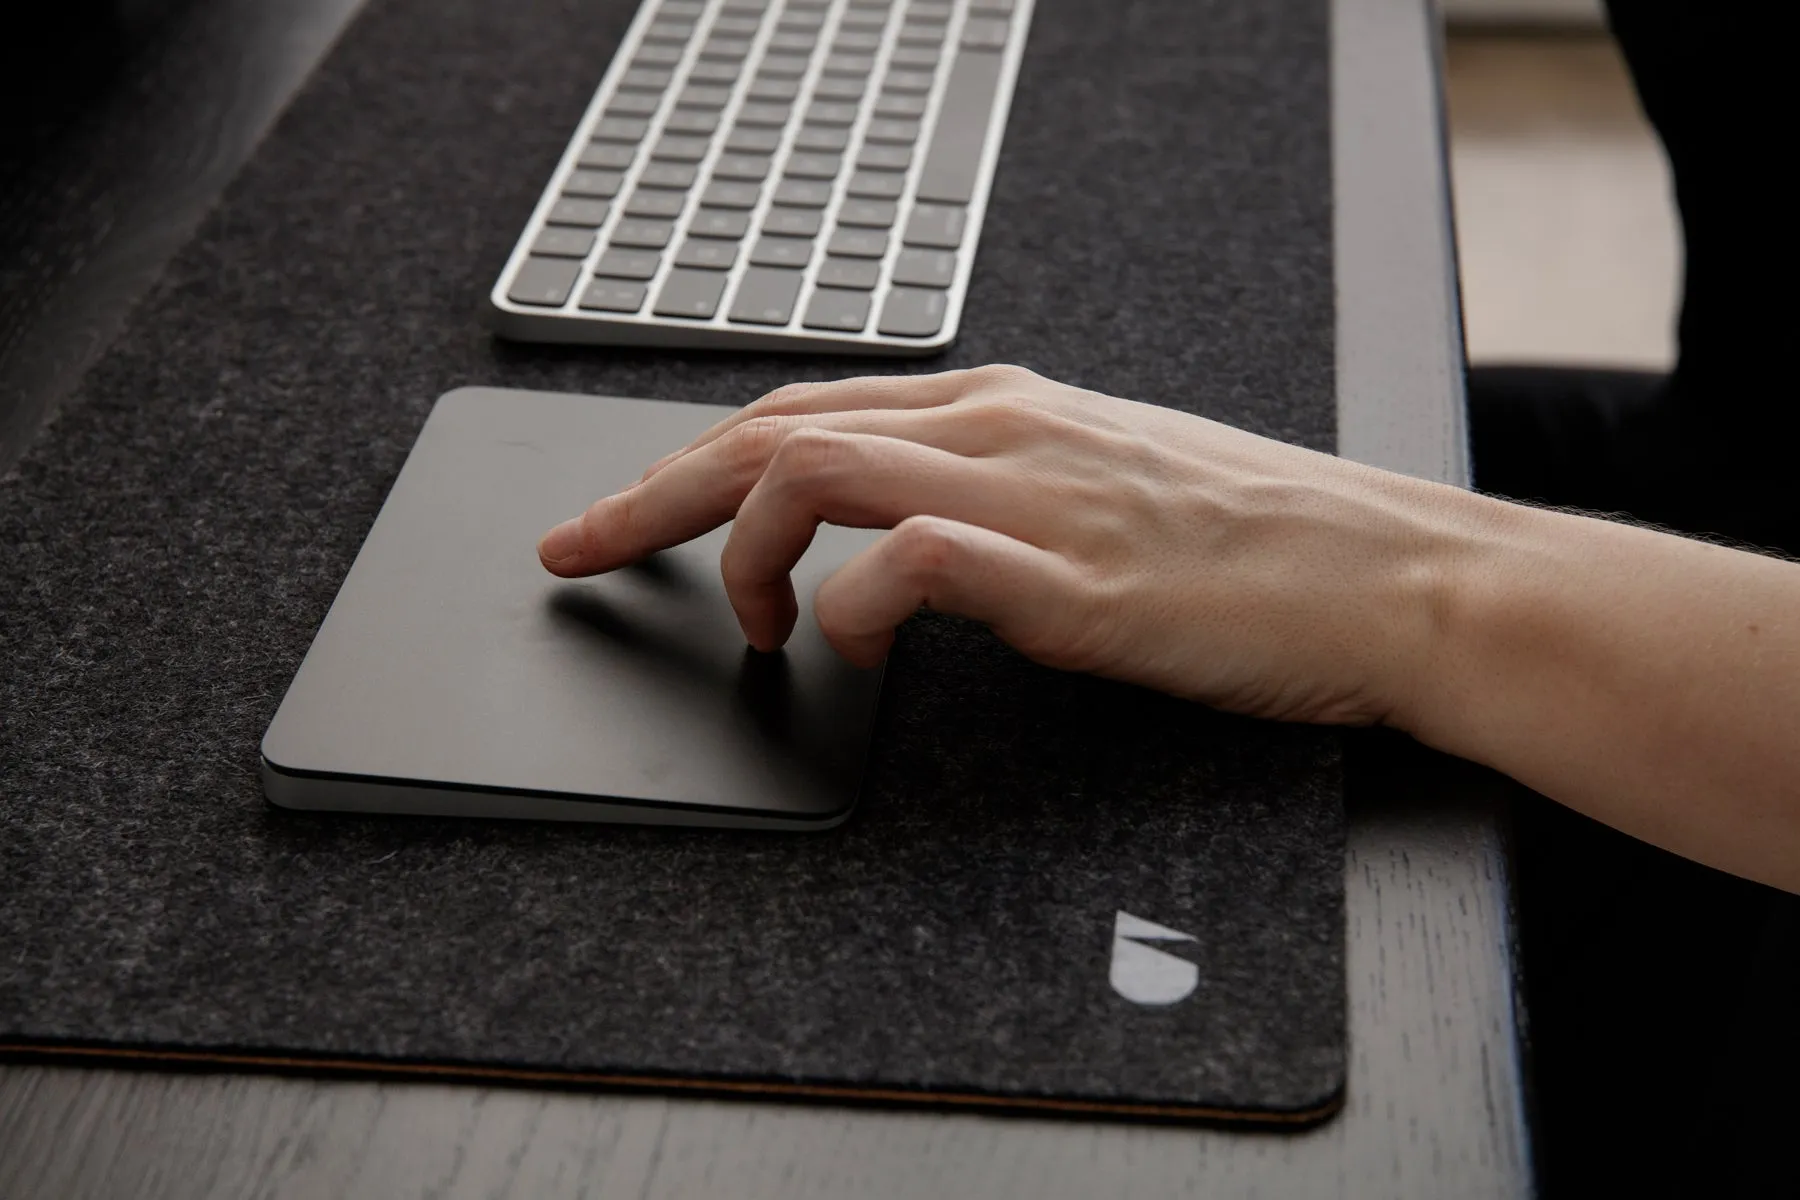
[{"x": 1647, "y": 680}]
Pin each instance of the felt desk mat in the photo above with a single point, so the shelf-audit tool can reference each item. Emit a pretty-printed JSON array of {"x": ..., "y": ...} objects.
[{"x": 1159, "y": 228}]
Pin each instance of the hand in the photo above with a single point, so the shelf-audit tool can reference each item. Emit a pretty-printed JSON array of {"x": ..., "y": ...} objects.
[{"x": 1092, "y": 533}]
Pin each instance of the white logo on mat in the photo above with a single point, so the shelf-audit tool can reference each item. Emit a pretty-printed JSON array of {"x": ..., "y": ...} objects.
[{"x": 1143, "y": 974}]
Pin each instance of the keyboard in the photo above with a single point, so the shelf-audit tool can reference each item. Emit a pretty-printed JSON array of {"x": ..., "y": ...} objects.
[{"x": 774, "y": 175}]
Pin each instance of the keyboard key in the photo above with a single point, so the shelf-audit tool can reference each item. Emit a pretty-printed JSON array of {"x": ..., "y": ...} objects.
[
  {"x": 719, "y": 223},
  {"x": 858, "y": 243},
  {"x": 782, "y": 252},
  {"x": 769, "y": 115},
  {"x": 813, "y": 166},
  {"x": 914, "y": 34},
  {"x": 653, "y": 235},
  {"x": 821, "y": 138},
  {"x": 796, "y": 20},
  {"x": 633, "y": 104},
  {"x": 877, "y": 185},
  {"x": 745, "y": 139},
  {"x": 724, "y": 193},
  {"x": 669, "y": 31},
  {"x": 703, "y": 95},
  {"x": 766, "y": 296},
  {"x": 927, "y": 268},
  {"x": 680, "y": 148},
  {"x": 793, "y": 222},
  {"x": 681, "y": 10},
  {"x": 870, "y": 214},
  {"x": 856, "y": 41},
  {"x": 913, "y": 312},
  {"x": 593, "y": 183},
  {"x": 783, "y": 66},
  {"x": 730, "y": 26},
  {"x": 908, "y": 81},
  {"x": 707, "y": 254},
  {"x": 793, "y": 43},
  {"x": 956, "y": 144},
  {"x": 830, "y": 112},
  {"x": 859, "y": 66},
  {"x": 934, "y": 11},
  {"x": 617, "y": 263},
  {"x": 982, "y": 34},
  {"x": 860, "y": 273},
  {"x": 938, "y": 225},
  {"x": 728, "y": 49},
  {"x": 613, "y": 295},
  {"x": 715, "y": 72},
  {"x": 803, "y": 193},
  {"x": 691, "y": 120},
  {"x": 900, "y": 105},
  {"x": 646, "y": 79},
  {"x": 864, "y": 19},
  {"x": 691, "y": 293},
  {"x": 754, "y": 7},
  {"x": 679, "y": 176},
  {"x": 836, "y": 87},
  {"x": 658, "y": 56},
  {"x": 903, "y": 133},
  {"x": 621, "y": 129},
  {"x": 919, "y": 57},
  {"x": 832, "y": 308},
  {"x": 606, "y": 157},
  {"x": 572, "y": 210},
  {"x": 544, "y": 281},
  {"x": 664, "y": 205},
  {"x": 562, "y": 242},
  {"x": 780, "y": 91},
  {"x": 754, "y": 167}
]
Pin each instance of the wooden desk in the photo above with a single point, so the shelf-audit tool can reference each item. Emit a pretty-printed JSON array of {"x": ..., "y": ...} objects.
[{"x": 1435, "y": 1102}]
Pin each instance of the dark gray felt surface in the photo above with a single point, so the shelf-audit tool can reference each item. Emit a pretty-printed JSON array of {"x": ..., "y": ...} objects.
[{"x": 1160, "y": 228}]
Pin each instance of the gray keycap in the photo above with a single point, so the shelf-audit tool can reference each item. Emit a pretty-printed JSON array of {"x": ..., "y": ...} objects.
[
  {"x": 544, "y": 281},
  {"x": 803, "y": 193},
  {"x": 871, "y": 214},
  {"x": 858, "y": 243},
  {"x": 834, "y": 308},
  {"x": 982, "y": 34},
  {"x": 621, "y": 129},
  {"x": 793, "y": 222},
  {"x": 917, "y": 82},
  {"x": 876, "y": 185},
  {"x": 780, "y": 91},
  {"x": 799, "y": 20},
  {"x": 939, "y": 225},
  {"x": 653, "y": 235},
  {"x": 900, "y": 104},
  {"x": 613, "y": 295},
  {"x": 681, "y": 10},
  {"x": 925, "y": 57},
  {"x": 754, "y": 167},
  {"x": 783, "y": 66},
  {"x": 673, "y": 147},
  {"x": 719, "y": 223},
  {"x": 573, "y": 210},
  {"x": 745, "y": 6},
  {"x": 607, "y": 157},
  {"x": 562, "y": 242},
  {"x": 936, "y": 11},
  {"x": 858, "y": 65},
  {"x": 663, "y": 205},
  {"x": 838, "y": 87},
  {"x": 618, "y": 263},
  {"x": 725, "y": 193},
  {"x": 897, "y": 132},
  {"x": 703, "y": 95},
  {"x": 766, "y": 296},
  {"x": 782, "y": 252},
  {"x": 914, "y": 34},
  {"x": 770, "y": 115},
  {"x": 956, "y": 144},
  {"x": 669, "y": 31},
  {"x": 856, "y": 41},
  {"x": 793, "y": 43},
  {"x": 728, "y": 49},
  {"x": 885, "y": 158},
  {"x": 679, "y": 176},
  {"x": 746, "y": 139},
  {"x": 821, "y": 139},
  {"x": 913, "y": 312},
  {"x": 831, "y": 112},
  {"x": 927, "y": 268},
  {"x": 691, "y": 120},
  {"x": 732, "y": 26},
  {"x": 861, "y": 273},
  {"x": 690, "y": 293},
  {"x": 864, "y": 19},
  {"x": 813, "y": 166},
  {"x": 715, "y": 72},
  {"x": 646, "y": 79},
  {"x": 593, "y": 183},
  {"x": 633, "y": 104},
  {"x": 707, "y": 254},
  {"x": 657, "y": 55}
]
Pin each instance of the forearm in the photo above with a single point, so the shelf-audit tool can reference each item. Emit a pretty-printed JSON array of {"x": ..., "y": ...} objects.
[{"x": 1649, "y": 681}]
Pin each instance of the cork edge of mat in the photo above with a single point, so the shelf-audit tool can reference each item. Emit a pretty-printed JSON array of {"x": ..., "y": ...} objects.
[{"x": 347, "y": 1067}]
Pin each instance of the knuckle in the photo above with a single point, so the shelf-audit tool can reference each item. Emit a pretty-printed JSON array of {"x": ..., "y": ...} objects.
[
  {"x": 783, "y": 399},
  {"x": 807, "y": 454},
  {"x": 926, "y": 547},
  {"x": 750, "y": 446},
  {"x": 1002, "y": 376}
]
